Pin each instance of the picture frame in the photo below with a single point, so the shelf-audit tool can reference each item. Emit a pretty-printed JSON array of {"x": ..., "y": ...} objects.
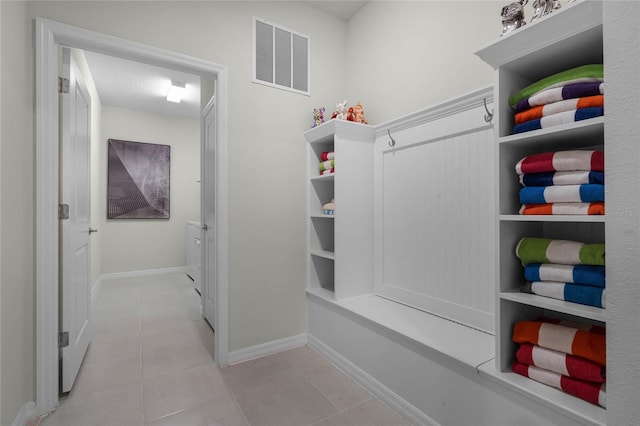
[{"x": 139, "y": 180}]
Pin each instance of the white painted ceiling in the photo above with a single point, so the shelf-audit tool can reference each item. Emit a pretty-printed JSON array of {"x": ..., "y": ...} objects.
[{"x": 133, "y": 85}]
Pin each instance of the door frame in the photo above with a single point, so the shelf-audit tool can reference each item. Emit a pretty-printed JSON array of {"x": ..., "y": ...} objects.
[{"x": 49, "y": 35}]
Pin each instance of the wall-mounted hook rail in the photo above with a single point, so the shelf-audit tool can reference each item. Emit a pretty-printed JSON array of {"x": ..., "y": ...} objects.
[
  {"x": 489, "y": 115},
  {"x": 392, "y": 141}
]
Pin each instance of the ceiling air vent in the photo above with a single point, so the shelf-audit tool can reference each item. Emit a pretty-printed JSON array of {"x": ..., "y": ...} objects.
[{"x": 280, "y": 57}]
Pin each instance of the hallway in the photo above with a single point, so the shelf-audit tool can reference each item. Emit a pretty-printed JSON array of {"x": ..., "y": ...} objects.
[{"x": 151, "y": 363}]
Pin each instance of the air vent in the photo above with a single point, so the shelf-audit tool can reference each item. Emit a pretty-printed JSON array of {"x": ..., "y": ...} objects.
[{"x": 280, "y": 57}]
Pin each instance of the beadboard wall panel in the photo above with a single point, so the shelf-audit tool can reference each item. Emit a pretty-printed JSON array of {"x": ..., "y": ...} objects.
[{"x": 435, "y": 209}]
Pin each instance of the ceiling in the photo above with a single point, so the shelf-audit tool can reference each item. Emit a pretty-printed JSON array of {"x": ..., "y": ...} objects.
[{"x": 133, "y": 85}]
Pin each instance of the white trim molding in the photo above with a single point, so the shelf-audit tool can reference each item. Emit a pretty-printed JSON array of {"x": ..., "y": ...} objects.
[
  {"x": 380, "y": 391},
  {"x": 49, "y": 35},
  {"x": 26, "y": 413},
  {"x": 267, "y": 348}
]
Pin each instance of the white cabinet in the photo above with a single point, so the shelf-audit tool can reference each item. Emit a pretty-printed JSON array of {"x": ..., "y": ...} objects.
[
  {"x": 340, "y": 262},
  {"x": 193, "y": 234},
  {"x": 568, "y": 38}
]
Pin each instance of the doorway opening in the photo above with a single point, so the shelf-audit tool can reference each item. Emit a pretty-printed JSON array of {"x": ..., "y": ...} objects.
[{"x": 49, "y": 36}]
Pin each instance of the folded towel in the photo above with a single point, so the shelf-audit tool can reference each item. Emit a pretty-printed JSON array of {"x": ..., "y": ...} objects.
[
  {"x": 583, "y": 74},
  {"x": 569, "y": 91},
  {"x": 594, "y": 393},
  {"x": 558, "y": 119},
  {"x": 577, "y": 177},
  {"x": 580, "y": 325},
  {"x": 546, "y": 250},
  {"x": 592, "y": 275},
  {"x": 576, "y": 293},
  {"x": 587, "y": 193},
  {"x": 563, "y": 209},
  {"x": 561, "y": 106},
  {"x": 327, "y": 165},
  {"x": 569, "y": 340},
  {"x": 327, "y": 155},
  {"x": 561, "y": 363},
  {"x": 562, "y": 161},
  {"x": 327, "y": 172}
]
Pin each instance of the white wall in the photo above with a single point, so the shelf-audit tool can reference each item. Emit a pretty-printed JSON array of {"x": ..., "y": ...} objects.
[
  {"x": 403, "y": 56},
  {"x": 141, "y": 244},
  {"x": 17, "y": 212}
]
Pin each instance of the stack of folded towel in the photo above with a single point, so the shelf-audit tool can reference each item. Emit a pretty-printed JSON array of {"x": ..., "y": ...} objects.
[
  {"x": 564, "y": 182},
  {"x": 572, "y": 95},
  {"x": 564, "y": 270},
  {"x": 567, "y": 356},
  {"x": 327, "y": 163}
]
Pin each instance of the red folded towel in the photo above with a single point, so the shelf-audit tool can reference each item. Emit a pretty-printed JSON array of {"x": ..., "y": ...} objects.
[
  {"x": 561, "y": 161},
  {"x": 569, "y": 340},
  {"x": 594, "y": 393},
  {"x": 561, "y": 363}
]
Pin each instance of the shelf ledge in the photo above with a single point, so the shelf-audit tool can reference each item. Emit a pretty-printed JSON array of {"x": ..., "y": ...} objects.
[{"x": 459, "y": 343}]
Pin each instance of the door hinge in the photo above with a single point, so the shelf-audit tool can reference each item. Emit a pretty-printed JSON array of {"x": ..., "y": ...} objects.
[
  {"x": 63, "y": 339},
  {"x": 63, "y": 211},
  {"x": 204, "y": 227},
  {"x": 63, "y": 85}
]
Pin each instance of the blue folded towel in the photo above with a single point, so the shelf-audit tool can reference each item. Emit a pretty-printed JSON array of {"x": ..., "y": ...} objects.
[
  {"x": 572, "y": 274},
  {"x": 579, "y": 177},
  {"x": 588, "y": 193},
  {"x": 582, "y": 294}
]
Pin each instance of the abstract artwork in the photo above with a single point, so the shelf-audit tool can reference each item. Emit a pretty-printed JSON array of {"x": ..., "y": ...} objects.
[{"x": 138, "y": 181}]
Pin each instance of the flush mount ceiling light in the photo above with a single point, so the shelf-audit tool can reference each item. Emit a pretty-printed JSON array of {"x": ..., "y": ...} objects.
[{"x": 176, "y": 90}]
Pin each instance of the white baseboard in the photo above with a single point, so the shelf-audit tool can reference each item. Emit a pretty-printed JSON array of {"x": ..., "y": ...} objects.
[
  {"x": 380, "y": 391},
  {"x": 26, "y": 413},
  {"x": 268, "y": 348},
  {"x": 97, "y": 286},
  {"x": 117, "y": 275}
]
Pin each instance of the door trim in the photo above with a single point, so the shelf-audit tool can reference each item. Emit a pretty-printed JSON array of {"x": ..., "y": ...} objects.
[{"x": 49, "y": 35}]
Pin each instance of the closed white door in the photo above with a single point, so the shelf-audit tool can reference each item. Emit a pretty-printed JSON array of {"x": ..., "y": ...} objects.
[
  {"x": 75, "y": 289},
  {"x": 208, "y": 240}
]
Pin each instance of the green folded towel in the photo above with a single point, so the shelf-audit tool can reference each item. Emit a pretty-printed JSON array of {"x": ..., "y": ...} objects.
[
  {"x": 544, "y": 250},
  {"x": 592, "y": 72}
]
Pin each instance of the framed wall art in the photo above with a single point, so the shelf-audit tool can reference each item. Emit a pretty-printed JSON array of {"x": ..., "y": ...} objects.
[{"x": 138, "y": 183}]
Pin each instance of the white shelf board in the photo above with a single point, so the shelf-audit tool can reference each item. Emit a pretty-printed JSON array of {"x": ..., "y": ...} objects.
[
  {"x": 322, "y": 293},
  {"x": 323, "y": 216},
  {"x": 325, "y": 132},
  {"x": 571, "y": 21},
  {"x": 592, "y": 128},
  {"x": 321, "y": 178},
  {"x": 582, "y": 411},
  {"x": 461, "y": 343},
  {"x": 552, "y": 218},
  {"x": 583, "y": 311},
  {"x": 323, "y": 253}
]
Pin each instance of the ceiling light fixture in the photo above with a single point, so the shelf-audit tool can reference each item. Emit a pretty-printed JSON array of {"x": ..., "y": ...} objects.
[{"x": 176, "y": 90}]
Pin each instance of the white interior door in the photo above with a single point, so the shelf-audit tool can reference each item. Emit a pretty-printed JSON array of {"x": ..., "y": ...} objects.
[
  {"x": 75, "y": 294},
  {"x": 208, "y": 240}
]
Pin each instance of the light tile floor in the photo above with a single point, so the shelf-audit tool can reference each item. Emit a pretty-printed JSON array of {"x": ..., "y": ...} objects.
[{"x": 151, "y": 363}]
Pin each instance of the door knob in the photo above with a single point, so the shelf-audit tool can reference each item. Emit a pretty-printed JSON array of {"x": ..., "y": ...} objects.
[{"x": 92, "y": 230}]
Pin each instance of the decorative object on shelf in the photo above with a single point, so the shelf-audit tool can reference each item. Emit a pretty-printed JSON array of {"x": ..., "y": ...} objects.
[
  {"x": 513, "y": 16},
  {"x": 329, "y": 209},
  {"x": 341, "y": 111},
  {"x": 318, "y": 116},
  {"x": 563, "y": 182},
  {"x": 544, "y": 7},
  {"x": 565, "y": 355},
  {"x": 358, "y": 114},
  {"x": 138, "y": 180}
]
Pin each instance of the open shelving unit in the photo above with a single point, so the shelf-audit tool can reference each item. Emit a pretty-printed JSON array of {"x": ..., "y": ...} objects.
[
  {"x": 570, "y": 37},
  {"x": 340, "y": 246}
]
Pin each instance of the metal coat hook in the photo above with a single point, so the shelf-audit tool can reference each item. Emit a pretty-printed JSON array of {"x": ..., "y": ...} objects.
[
  {"x": 489, "y": 115},
  {"x": 392, "y": 141}
]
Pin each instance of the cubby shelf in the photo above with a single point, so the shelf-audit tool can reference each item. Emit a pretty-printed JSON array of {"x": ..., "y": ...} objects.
[{"x": 570, "y": 37}]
